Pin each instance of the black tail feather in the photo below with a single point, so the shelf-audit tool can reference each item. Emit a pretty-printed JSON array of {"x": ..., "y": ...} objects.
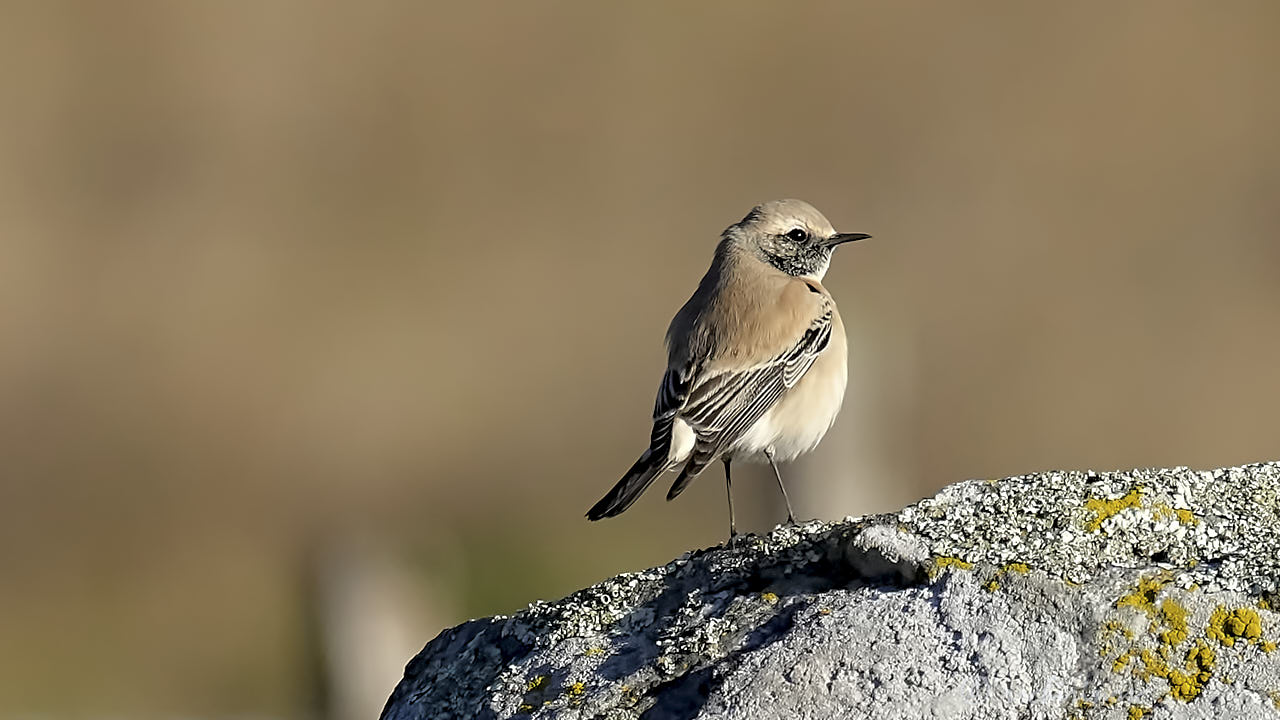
[
  {"x": 629, "y": 488},
  {"x": 703, "y": 455},
  {"x": 691, "y": 470}
]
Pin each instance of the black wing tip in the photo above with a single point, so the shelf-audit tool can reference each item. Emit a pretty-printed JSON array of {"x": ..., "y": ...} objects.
[{"x": 691, "y": 470}]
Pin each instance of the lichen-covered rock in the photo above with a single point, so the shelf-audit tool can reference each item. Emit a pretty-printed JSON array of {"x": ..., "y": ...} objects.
[{"x": 1145, "y": 594}]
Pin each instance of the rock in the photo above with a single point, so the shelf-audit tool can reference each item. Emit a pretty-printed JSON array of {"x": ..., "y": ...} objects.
[{"x": 1144, "y": 594}]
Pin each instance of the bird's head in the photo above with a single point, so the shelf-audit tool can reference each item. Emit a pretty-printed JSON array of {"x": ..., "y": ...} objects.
[{"x": 790, "y": 235}]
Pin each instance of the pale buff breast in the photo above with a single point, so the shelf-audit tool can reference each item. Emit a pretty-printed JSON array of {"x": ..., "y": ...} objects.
[{"x": 801, "y": 417}]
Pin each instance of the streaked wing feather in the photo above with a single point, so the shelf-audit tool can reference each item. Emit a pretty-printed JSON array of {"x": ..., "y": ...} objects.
[
  {"x": 795, "y": 369},
  {"x": 723, "y": 407},
  {"x": 673, "y": 394}
]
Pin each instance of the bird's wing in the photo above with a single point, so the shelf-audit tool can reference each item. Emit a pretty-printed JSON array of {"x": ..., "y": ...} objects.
[{"x": 723, "y": 406}]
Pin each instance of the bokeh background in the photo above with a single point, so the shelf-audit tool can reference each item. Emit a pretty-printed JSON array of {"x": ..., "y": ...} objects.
[{"x": 323, "y": 323}]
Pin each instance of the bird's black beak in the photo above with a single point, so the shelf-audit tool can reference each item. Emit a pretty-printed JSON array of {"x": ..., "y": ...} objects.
[{"x": 841, "y": 238}]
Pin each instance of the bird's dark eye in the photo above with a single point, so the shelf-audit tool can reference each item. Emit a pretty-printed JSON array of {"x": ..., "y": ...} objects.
[{"x": 798, "y": 235}]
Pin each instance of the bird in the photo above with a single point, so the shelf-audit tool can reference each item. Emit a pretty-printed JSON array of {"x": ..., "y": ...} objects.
[{"x": 756, "y": 359}]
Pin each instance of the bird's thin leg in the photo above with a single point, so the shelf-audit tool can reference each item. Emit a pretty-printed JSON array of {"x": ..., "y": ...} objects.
[
  {"x": 728, "y": 488},
  {"x": 791, "y": 517}
]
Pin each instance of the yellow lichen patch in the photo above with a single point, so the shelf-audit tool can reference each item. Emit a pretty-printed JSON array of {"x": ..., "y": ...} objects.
[
  {"x": 991, "y": 586},
  {"x": 1186, "y": 682},
  {"x": 1174, "y": 617},
  {"x": 1170, "y": 628},
  {"x": 1115, "y": 627},
  {"x": 1160, "y": 511},
  {"x": 536, "y": 683},
  {"x": 944, "y": 562},
  {"x": 1217, "y": 626},
  {"x": 1020, "y": 568},
  {"x": 1104, "y": 508},
  {"x": 1268, "y": 646},
  {"x": 594, "y": 652},
  {"x": 1239, "y": 624},
  {"x": 1137, "y": 712},
  {"x": 1183, "y": 686},
  {"x": 575, "y": 689},
  {"x": 1200, "y": 660},
  {"x": 1120, "y": 663},
  {"x": 769, "y": 598},
  {"x": 525, "y": 708},
  {"x": 1109, "y": 636},
  {"x": 1246, "y": 623},
  {"x": 1152, "y": 665},
  {"x": 1143, "y": 596}
]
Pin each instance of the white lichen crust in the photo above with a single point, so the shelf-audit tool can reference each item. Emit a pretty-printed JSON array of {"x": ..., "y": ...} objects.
[{"x": 1143, "y": 594}]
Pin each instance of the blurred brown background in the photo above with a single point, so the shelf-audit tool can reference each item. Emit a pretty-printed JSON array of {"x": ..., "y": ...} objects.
[{"x": 324, "y": 323}]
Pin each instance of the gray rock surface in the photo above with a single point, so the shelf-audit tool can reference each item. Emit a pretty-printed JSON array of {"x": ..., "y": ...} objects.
[{"x": 1144, "y": 594}]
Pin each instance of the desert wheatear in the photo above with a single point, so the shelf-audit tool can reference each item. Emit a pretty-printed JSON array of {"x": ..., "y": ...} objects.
[{"x": 756, "y": 365}]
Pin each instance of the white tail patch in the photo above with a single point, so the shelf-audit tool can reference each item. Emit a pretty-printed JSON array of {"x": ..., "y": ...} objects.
[{"x": 682, "y": 440}]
